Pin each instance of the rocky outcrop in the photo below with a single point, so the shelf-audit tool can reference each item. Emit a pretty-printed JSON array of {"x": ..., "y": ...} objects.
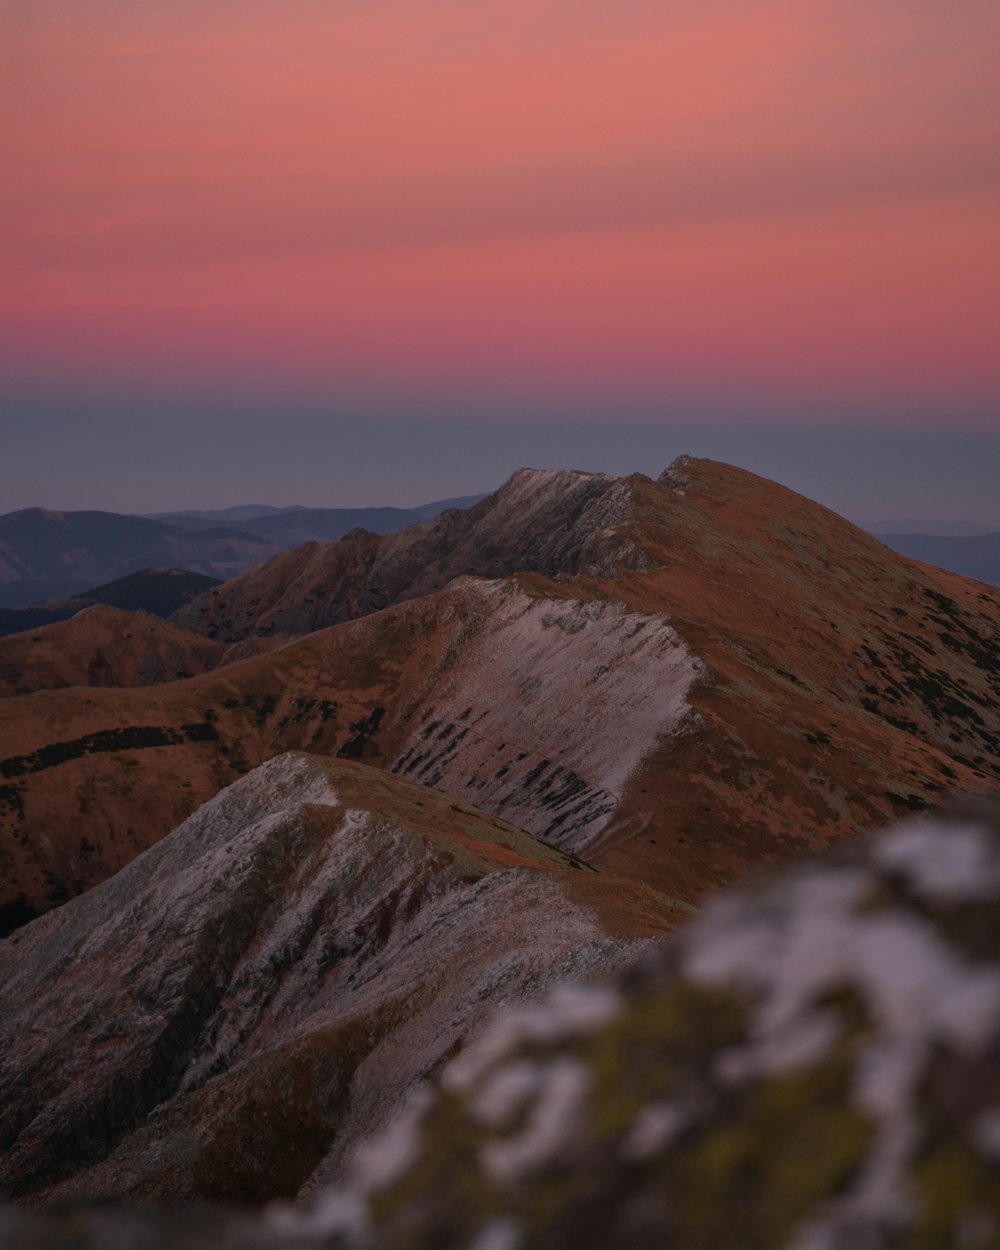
[
  {"x": 225, "y": 1016},
  {"x": 812, "y": 1065}
]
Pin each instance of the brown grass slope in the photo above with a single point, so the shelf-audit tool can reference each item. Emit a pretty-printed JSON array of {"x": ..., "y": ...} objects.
[
  {"x": 700, "y": 673},
  {"x": 103, "y": 646}
]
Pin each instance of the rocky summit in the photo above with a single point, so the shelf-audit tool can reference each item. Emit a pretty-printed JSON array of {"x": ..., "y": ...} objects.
[
  {"x": 676, "y": 679},
  {"x": 811, "y": 1065}
]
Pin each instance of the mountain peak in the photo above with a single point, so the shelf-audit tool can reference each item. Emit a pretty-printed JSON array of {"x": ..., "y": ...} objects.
[
  {"x": 547, "y": 488},
  {"x": 555, "y": 522}
]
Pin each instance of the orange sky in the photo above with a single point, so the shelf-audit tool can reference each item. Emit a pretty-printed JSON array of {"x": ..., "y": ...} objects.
[{"x": 759, "y": 201}]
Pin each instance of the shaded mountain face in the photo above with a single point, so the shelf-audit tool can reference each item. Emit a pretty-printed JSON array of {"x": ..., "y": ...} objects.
[
  {"x": 813, "y": 1062},
  {"x": 695, "y": 675},
  {"x": 224, "y": 1016},
  {"x": 552, "y": 522},
  {"x": 103, "y": 646},
  {"x": 46, "y": 555},
  {"x": 974, "y": 555},
  {"x": 160, "y": 591}
]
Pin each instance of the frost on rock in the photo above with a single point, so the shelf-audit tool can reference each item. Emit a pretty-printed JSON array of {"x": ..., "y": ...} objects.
[
  {"x": 943, "y": 860},
  {"x": 598, "y": 688},
  {"x": 554, "y": 1120},
  {"x": 570, "y": 1010}
]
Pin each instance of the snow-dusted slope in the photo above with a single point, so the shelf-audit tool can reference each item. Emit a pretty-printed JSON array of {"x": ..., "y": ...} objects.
[
  {"x": 548, "y": 707},
  {"x": 262, "y": 988}
]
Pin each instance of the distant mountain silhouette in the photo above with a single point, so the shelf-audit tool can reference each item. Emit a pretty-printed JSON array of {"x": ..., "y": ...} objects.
[
  {"x": 443, "y": 505},
  {"x": 305, "y": 525},
  {"x": 160, "y": 591},
  {"x": 943, "y": 529},
  {"x": 290, "y": 527},
  {"x": 46, "y": 555},
  {"x": 974, "y": 555},
  {"x": 58, "y": 555},
  {"x": 219, "y": 516}
]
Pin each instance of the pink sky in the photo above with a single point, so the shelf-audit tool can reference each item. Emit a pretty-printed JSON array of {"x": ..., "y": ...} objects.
[{"x": 638, "y": 199}]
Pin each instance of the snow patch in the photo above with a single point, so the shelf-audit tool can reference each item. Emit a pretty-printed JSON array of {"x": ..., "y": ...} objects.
[
  {"x": 502, "y": 1234},
  {"x": 505, "y": 1093},
  {"x": 384, "y": 1159},
  {"x": 987, "y": 1133}
]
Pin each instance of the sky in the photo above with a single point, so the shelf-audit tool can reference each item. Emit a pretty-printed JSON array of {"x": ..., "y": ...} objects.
[{"x": 378, "y": 251}]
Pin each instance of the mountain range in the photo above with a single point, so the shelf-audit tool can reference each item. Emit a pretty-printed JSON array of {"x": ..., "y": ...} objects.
[
  {"x": 289, "y": 527},
  {"x": 940, "y": 529},
  {"x": 271, "y": 865},
  {"x": 50, "y": 558},
  {"x": 674, "y": 677},
  {"x": 159, "y": 591},
  {"x": 55, "y": 555},
  {"x": 973, "y": 555}
]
